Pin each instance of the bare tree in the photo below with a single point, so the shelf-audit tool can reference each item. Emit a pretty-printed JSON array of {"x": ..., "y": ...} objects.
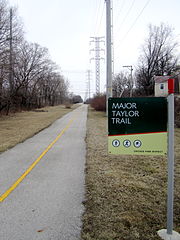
[
  {"x": 28, "y": 77},
  {"x": 37, "y": 80},
  {"x": 121, "y": 84},
  {"x": 10, "y": 35},
  {"x": 157, "y": 58}
]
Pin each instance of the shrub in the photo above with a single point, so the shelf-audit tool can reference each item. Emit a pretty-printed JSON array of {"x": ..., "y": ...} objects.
[
  {"x": 68, "y": 105},
  {"x": 99, "y": 103}
]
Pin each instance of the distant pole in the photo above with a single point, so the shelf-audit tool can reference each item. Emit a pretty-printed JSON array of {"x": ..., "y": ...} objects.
[
  {"x": 132, "y": 84},
  {"x": 89, "y": 83},
  {"x": 10, "y": 55},
  {"x": 108, "y": 53},
  {"x": 88, "y": 88}
]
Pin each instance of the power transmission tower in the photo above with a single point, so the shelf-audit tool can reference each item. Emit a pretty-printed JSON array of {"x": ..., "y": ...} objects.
[
  {"x": 97, "y": 49},
  {"x": 89, "y": 83},
  {"x": 88, "y": 89}
]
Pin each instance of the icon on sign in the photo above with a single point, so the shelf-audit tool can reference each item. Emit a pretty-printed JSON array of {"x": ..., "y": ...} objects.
[
  {"x": 127, "y": 143},
  {"x": 116, "y": 143},
  {"x": 137, "y": 143}
]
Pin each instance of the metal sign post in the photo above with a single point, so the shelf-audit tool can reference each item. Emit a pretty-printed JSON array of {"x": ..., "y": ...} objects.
[
  {"x": 169, "y": 234},
  {"x": 170, "y": 199}
]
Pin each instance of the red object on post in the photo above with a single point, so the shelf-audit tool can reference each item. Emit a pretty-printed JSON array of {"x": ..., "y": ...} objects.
[{"x": 171, "y": 85}]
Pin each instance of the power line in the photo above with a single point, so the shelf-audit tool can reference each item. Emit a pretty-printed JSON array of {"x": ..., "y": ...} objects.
[
  {"x": 97, "y": 16},
  {"x": 128, "y": 12},
  {"x": 121, "y": 8},
  {"x": 101, "y": 19},
  {"x": 135, "y": 21},
  {"x": 73, "y": 71}
]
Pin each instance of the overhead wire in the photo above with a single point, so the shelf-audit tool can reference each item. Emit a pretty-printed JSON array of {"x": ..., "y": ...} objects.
[
  {"x": 127, "y": 14},
  {"x": 121, "y": 8},
  {"x": 96, "y": 24},
  {"x": 97, "y": 17},
  {"x": 132, "y": 25},
  {"x": 100, "y": 22},
  {"x": 74, "y": 71},
  {"x": 94, "y": 16},
  {"x": 135, "y": 20}
]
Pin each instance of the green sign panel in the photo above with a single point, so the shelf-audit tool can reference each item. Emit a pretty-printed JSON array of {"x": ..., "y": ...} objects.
[{"x": 137, "y": 126}]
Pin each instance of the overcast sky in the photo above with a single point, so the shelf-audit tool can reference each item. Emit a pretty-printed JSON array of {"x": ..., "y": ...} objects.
[{"x": 65, "y": 28}]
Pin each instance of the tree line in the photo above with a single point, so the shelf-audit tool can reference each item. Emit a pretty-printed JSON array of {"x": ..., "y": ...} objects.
[
  {"x": 158, "y": 57},
  {"x": 28, "y": 77}
]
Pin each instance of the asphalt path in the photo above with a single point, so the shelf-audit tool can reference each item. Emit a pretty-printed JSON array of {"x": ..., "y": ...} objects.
[{"x": 42, "y": 182}]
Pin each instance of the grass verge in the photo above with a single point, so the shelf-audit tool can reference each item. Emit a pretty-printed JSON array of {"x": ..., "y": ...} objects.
[
  {"x": 17, "y": 127},
  {"x": 125, "y": 195}
]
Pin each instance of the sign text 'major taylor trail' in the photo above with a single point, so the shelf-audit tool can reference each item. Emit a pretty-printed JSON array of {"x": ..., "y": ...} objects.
[{"x": 124, "y": 112}]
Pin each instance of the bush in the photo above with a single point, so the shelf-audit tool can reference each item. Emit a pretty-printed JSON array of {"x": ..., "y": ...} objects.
[
  {"x": 99, "y": 103},
  {"x": 68, "y": 105}
]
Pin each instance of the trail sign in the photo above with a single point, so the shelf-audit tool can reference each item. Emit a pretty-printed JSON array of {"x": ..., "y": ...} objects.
[{"x": 137, "y": 126}]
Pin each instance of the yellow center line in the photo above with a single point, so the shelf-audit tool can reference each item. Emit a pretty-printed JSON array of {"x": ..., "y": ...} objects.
[{"x": 15, "y": 184}]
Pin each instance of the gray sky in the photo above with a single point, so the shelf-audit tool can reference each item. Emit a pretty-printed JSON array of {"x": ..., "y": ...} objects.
[{"x": 65, "y": 28}]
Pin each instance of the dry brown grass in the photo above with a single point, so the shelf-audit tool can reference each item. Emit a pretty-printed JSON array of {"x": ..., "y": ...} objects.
[
  {"x": 125, "y": 195},
  {"x": 17, "y": 127}
]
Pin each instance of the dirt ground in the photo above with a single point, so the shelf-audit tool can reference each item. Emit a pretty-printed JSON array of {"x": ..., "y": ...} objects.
[{"x": 125, "y": 195}]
